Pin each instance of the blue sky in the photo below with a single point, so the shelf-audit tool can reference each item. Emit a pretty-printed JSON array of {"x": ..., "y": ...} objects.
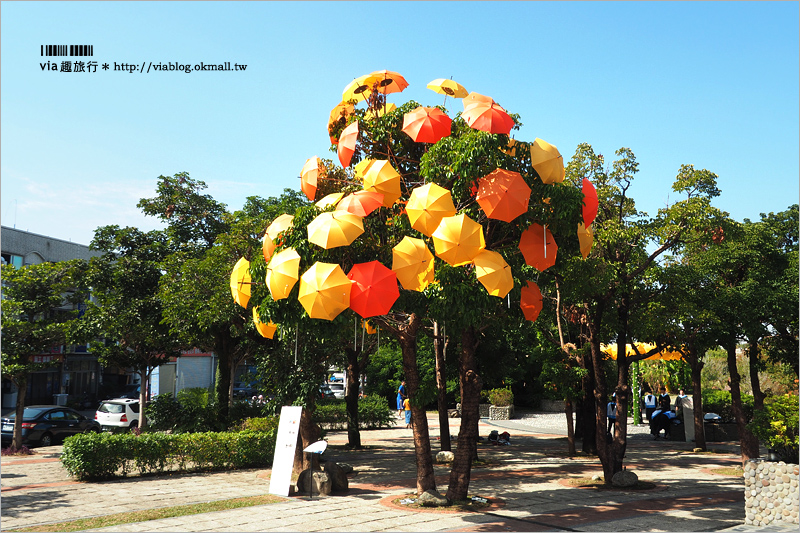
[{"x": 712, "y": 84}]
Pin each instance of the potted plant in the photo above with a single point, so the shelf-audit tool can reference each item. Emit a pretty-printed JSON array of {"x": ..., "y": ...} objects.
[
  {"x": 502, "y": 404},
  {"x": 776, "y": 426}
]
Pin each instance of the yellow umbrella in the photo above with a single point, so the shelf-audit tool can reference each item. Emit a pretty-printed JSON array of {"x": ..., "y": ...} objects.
[
  {"x": 359, "y": 89},
  {"x": 324, "y": 291},
  {"x": 279, "y": 225},
  {"x": 448, "y": 88},
  {"x": 494, "y": 273},
  {"x": 361, "y": 167},
  {"x": 413, "y": 264},
  {"x": 265, "y": 330},
  {"x": 335, "y": 228},
  {"x": 329, "y": 200},
  {"x": 240, "y": 282},
  {"x": 586, "y": 239},
  {"x": 642, "y": 347},
  {"x": 375, "y": 113},
  {"x": 547, "y": 161},
  {"x": 311, "y": 172},
  {"x": 367, "y": 326},
  {"x": 342, "y": 110},
  {"x": 283, "y": 271},
  {"x": 458, "y": 239},
  {"x": 383, "y": 178},
  {"x": 427, "y": 206}
]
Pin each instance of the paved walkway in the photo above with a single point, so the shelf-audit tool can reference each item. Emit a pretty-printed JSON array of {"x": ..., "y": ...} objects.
[{"x": 528, "y": 479}]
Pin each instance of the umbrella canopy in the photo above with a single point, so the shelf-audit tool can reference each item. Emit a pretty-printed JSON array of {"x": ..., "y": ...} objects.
[
  {"x": 530, "y": 301},
  {"x": 342, "y": 110},
  {"x": 240, "y": 282},
  {"x": 427, "y": 206},
  {"x": 487, "y": 117},
  {"x": 589, "y": 209},
  {"x": 494, "y": 273},
  {"x": 374, "y": 289},
  {"x": 383, "y": 178},
  {"x": 265, "y": 330},
  {"x": 413, "y": 264},
  {"x": 586, "y": 238},
  {"x": 312, "y": 171},
  {"x": 503, "y": 195},
  {"x": 458, "y": 239},
  {"x": 279, "y": 225},
  {"x": 361, "y": 167},
  {"x": 426, "y": 124},
  {"x": 347, "y": 144},
  {"x": 367, "y": 326},
  {"x": 359, "y": 89},
  {"x": 538, "y": 247},
  {"x": 476, "y": 98},
  {"x": 642, "y": 347},
  {"x": 361, "y": 203},
  {"x": 448, "y": 88},
  {"x": 283, "y": 271},
  {"x": 547, "y": 161},
  {"x": 324, "y": 291},
  {"x": 329, "y": 200},
  {"x": 388, "y": 81},
  {"x": 334, "y": 228}
]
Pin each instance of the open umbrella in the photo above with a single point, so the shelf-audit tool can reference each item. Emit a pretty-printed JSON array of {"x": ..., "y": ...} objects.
[
  {"x": 383, "y": 178},
  {"x": 494, "y": 273},
  {"x": 642, "y": 347},
  {"x": 347, "y": 144},
  {"x": 312, "y": 171},
  {"x": 381, "y": 110},
  {"x": 447, "y": 88},
  {"x": 547, "y": 161},
  {"x": 342, "y": 110},
  {"x": 487, "y": 117},
  {"x": 458, "y": 239},
  {"x": 279, "y": 225},
  {"x": 530, "y": 301},
  {"x": 374, "y": 289},
  {"x": 240, "y": 282},
  {"x": 476, "y": 98},
  {"x": 324, "y": 291},
  {"x": 359, "y": 89},
  {"x": 427, "y": 206},
  {"x": 413, "y": 264},
  {"x": 361, "y": 203},
  {"x": 361, "y": 167},
  {"x": 586, "y": 239},
  {"x": 283, "y": 271},
  {"x": 329, "y": 200},
  {"x": 589, "y": 209},
  {"x": 503, "y": 195},
  {"x": 426, "y": 124},
  {"x": 388, "y": 81},
  {"x": 334, "y": 228},
  {"x": 538, "y": 247},
  {"x": 265, "y": 330}
]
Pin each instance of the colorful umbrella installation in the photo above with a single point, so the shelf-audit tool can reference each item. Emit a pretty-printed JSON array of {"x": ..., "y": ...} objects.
[
  {"x": 359, "y": 89},
  {"x": 547, "y": 161},
  {"x": 383, "y": 178},
  {"x": 265, "y": 330},
  {"x": 324, "y": 291},
  {"x": 458, "y": 239},
  {"x": 374, "y": 289},
  {"x": 426, "y": 124},
  {"x": 585, "y": 238},
  {"x": 487, "y": 117},
  {"x": 278, "y": 226},
  {"x": 388, "y": 82},
  {"x": 427, "y": 206},
  {"x": 347, "y": 144},
  {"x": 494, "y": 273},
  {"x": 329, "y": 200},
  {"x": 538, "y": 247},
  {"x": 476, "y": 98},
  {"x": 334, "y": 228},
  {"x": 361, "y": 167},
  {"x": 342, "y": 110},
  {"x": 642, "y": 347},
  {"x": 448, "y": 88},
  {"x": 503, "y": 195},
  {"x": 382, "y": 110},
  {"x": 240, "y": 282},
  {"x": 311, "y": 172},
  {"x": 361, "y": 203},
  {"x": 412, "y": 262},
  {"x": 283, "y": 271},
  {"x": 530, "y": 301},
  {"x": 589, "y": 209}
]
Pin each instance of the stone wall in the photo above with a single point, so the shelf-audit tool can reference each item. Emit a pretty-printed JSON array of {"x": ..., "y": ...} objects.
[{"x": 771, "y": 493}]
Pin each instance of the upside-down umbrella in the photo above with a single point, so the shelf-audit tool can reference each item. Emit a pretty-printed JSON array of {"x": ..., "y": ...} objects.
[
  {"x": 324, "y": 291},
  {"x": 374, "y": 289},
  {"x": 381, "y": 177},
  {"x": 503, "y": 195},
  {"x": 538, "y": 247},
  {"x": 589, "y": 209},
  {"x": 388, "y": 81},
  {"x": 361, "y": 167},
  {"x": 265, "y": 330},
  {"x": 359, "y": 89},
  {"x": 413, "y": 264},
  {"x": 642, "y": 347},
  {"x": 427, "y": 206},
  {"x": 309, "y": 176},
  {"x": 279, "y": 225},
  {"x": 361, "y": 203},
  {"x": 494, "y": 273},
  {"x": 547, "y": 161},
  {"x": 283, "y": 271},
  {"x": 586, "y": 239},
  {"x": 448, "y": 88},
  {"x": 342, "y": 110},
  {"x": 240, "y": 282},
  {"x": 329, "y": 200},
  {"x": 458, "y": 239},
  {"x": 347, "y": 144},
  {"x": 487, "y": 117},
  {"x": 334, "y": 228},
  {"x": 530, "y": 301},
  {"x": 426, "y": 124}
]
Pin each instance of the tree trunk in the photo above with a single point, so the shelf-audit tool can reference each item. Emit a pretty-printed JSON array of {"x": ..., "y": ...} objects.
[
  {"x": 144, "y": 378},
  {"x": 696, "y": 364},
  {"x": 351, "y": 398},
  {"x": 758, "y": 394},
  {"x": 586, "y": 421},
  {"x": 570, "y": 427},
  {"x": 309, "y": 433},
  {"x": 441, "y": 388},
  {"x": 222, "y": 384},
  {"x": 22, "y": 391},
  {"x": 604, "y": 451},
  {"x": 747, "y": 441}
]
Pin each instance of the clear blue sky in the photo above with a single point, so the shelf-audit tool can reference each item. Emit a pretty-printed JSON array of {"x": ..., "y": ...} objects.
[{"x": 710, "y": 84}]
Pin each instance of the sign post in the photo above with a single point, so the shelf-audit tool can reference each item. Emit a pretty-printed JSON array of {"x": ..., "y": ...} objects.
[{"x": 285, "y": 444}]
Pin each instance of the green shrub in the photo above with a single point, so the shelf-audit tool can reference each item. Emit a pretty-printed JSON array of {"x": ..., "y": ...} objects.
[
  {"x": 776, "y": 426},
  {"x": 720, "y": 402},
  {"x": 501, "y": 397},
  {"x": 268, "y": 423},
  {"x": 373, "y": 413}
]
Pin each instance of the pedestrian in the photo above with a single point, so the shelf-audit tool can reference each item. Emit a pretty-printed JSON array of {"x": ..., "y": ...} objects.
[
  {"x": 663, "y": 400},
  {"x": 679, "y": 403},
  {"x": 407, "y": 407},
  {"x": 611, "y": 413},
  {"x": 401, "y": 395},
  {"x": 649, "y": 404}
]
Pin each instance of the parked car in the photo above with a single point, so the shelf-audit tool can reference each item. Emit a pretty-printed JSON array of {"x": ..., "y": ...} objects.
[
  {"x": 44, "y": 425},
  {"x": 244, "y": 390},
  {"x": 325, "y": 392},
  {"x": 338, "y": 390},
  {"x": 118, "y": 413}
]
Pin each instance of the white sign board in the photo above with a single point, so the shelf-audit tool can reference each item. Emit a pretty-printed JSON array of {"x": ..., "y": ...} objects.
[{"x": 288, "y": 428}]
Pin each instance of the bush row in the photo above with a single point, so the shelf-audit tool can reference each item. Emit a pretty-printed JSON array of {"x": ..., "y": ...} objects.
[
  {"x": 373, "y": 413},
  {"x": 720, "y": 402},
  {"x": 193, "y": 411}
]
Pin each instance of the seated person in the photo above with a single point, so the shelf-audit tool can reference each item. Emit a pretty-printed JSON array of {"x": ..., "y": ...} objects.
[{"x": 661, "y": 420}]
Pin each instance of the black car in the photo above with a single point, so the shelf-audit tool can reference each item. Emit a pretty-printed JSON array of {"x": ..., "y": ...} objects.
[{"x": 44, "y": 425}]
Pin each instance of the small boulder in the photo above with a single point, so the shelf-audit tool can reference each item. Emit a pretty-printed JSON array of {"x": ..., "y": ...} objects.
[
  {"x": 597, "y": 477},
  {"x": 625, "y": 478},
  {"x": 337, "y": 475},
  {"x": 316, "y": 482},
  {"x": 431, "y": 498},
  {"x": 445, "y": 457}
]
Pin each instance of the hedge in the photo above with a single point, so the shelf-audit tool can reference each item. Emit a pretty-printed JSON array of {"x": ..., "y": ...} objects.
[{"x": 373, "y": 413}]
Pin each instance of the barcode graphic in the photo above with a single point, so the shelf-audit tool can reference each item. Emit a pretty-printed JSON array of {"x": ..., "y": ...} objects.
[{"x": 61, "y": 49}]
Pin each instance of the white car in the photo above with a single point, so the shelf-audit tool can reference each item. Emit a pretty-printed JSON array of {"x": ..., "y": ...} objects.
[
  {"x": 118, "y": 413},
  {"x": 338, "y": 390}
]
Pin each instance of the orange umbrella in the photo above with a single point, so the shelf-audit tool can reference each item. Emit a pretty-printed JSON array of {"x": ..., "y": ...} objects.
[
  {"x": 427, "y": 206},
  {"x": 426, "y": 124},
  {"x": 283, "y": 271},
  {"x": 448, "y": 88},
  {"x": 503, "y": 195},
  {"x": 494, "y": 273},
  {"x": 329, "y": 200},
  {"x": 367, "y": 326},
  {"x": 547, "y": 161},
  {"x": 278, "y": 226},
  {"x": 342, "y": 110},
  {"x": 359, "y": 89},
  {"x": 347, "y": 144},
  {"x": 334, "y": 228},
  {"x": 324, "y": 291},
  {"x": 589, "y": 209},
  {"x": 487, "y": 117},
  {"x": 413, "y": 264},
  {"x": 240, "y": 282},
  {"x": 458, "y": 239},
  {"x": 381, "y": 177},
  {"x": 265, "y": 330},
  {"x": 374, "y": 289},
  {"x": 586, "y": 239},
  {"x": 388, "y": 81},
  {"x": 309, "y": 176},
  {"x": 538, "y": 247},
  {"x": 476, "y": 98},
  {"x": 361, "y": 203},
  {"x": 531, "y": 301}
]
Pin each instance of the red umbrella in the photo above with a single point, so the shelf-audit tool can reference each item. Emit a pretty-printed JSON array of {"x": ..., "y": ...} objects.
[
  {"x": 426, "y": 124},
  {"x": 538, "y": 247},
  {"x": 531, "y": 301},
  {"x": 589, "y": 202},
  {"x": 361, "y": 203},
  {"x": 309, "y": 176},
  {"x": 347, "y": 144},
  {"x": 374, "y": 289},
  {"x": 503, "y": 195},
  {"x": 488, "y": 117}
]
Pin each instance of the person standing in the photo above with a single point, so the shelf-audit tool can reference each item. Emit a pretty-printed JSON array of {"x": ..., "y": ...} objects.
[
  {"x": 649, "y": 404},
  {"x": 679, "y": 404},
  {"x": 401, "y": 395},
  {"x": 407, "y": 407},
  {"x": 611, "y": 413},
  {"x": 664, "y": 400}
]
